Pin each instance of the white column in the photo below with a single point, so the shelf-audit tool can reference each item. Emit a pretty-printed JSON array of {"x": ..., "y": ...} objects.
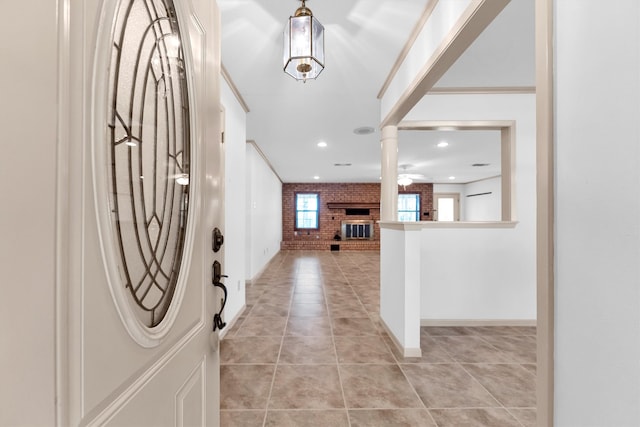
[{"x": 389, "y": 187}]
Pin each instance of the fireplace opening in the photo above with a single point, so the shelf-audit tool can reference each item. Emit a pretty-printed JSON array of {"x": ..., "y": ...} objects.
[{"x": 357, "y": 230}]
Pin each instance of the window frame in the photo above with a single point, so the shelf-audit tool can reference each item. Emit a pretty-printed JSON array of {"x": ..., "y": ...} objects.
[
  {"x": 418, "y": 210},
  {"x": 295, "y": 210}
]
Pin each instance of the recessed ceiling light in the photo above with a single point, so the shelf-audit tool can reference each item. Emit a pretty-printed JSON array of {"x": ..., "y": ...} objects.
[
  {"x": 322, "y": 144},
  {"x": 452, "y": 177},
  {"x": 316, "y": 177},
  {"x": 364, "y": 130},
  {"x": 443, "y": 144}
]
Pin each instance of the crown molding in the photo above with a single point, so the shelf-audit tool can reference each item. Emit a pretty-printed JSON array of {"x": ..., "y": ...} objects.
[{"x": 227, "y": 77}]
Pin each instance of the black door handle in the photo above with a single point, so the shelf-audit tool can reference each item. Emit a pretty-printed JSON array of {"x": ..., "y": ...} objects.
[{"x": 216, "y": 277}]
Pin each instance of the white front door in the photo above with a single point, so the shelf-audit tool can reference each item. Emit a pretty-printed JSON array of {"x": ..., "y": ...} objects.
[{"x": 140, "y": 89}]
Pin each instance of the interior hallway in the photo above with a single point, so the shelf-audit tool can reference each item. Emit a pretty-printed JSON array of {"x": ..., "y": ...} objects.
[{"x": 309, "y": 351}]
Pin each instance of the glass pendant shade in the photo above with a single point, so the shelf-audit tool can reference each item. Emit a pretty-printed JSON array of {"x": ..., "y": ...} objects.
[
  {"x": 303, "y": 45},
  {"x": 404, "y": 180}
]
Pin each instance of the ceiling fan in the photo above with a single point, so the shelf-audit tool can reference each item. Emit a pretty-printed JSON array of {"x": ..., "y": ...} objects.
[{"x": 405, "y": 178}]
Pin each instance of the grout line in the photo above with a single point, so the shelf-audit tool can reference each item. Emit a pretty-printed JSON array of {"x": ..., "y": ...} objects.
[
  {"x": 275, "y": 369},
  {"x": 481, "y": 385},
  {"x": 335, "y": 348}
]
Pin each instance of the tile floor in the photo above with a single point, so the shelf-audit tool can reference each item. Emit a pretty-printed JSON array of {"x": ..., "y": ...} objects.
[{"x": 309, "y": 351}]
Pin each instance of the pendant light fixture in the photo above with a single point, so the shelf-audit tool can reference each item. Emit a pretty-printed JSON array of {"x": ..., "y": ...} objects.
[
  {"x": 303, "y": 45},
  {"x": 404, "y": 180}
]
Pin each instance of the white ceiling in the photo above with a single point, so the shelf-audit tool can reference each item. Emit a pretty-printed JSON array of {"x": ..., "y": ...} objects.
[{"x": 363, "y": 39}]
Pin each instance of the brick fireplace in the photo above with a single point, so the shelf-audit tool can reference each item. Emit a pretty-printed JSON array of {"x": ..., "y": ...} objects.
[{"x": 340, "y": 203}]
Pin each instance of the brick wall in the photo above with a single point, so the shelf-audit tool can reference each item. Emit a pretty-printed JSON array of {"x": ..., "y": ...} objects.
[{"x": 330, "y": 220}]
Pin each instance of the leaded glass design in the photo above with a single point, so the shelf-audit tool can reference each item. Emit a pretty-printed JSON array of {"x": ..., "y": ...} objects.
[{"x": 148, "y": 153}]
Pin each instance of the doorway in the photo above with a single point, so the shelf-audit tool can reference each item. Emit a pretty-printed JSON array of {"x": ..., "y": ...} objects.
[{"x": 446, "y": 207}]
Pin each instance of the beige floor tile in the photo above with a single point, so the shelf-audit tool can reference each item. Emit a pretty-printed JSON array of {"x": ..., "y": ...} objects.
[
  {"x": 345, "y": 347},
  {"x": 260, "y": 326},
  {"x": 269, "y": 309},
  {"x": 377, "y": 387},
  {"x": 491, "y": 330},
  {"x": 306, "y": 418},
  {"x": 249, "y": 350},
  {"x": 345, "y": 326},
  {"x": 242, "y": 418},
  {"x": 526, "y": 416},
  {"x": 245, "y": 386},
  {"x": 363, "y": 350},
  {"x": 450, "y": 331},
  {"x": 447, "y": 386},
  {"x": 476, "y": 417},
  {"x": 302, "y": 298},
  {"x": 307, "y": 350},
  {"x": 308, "y": 310},
  {"x": 471, "y": 349},
  {"x": 390, "y": 417},
  {"x": 308, "y": 326},
  {"x": 345, "y": 311},
  {"x": 512, "y": 385},
  {"x": 308, "y": 290},
  {"x": 524, "y": 330},
  {"x": 520, "y": 348},
  {"x": 306, "y": 387}
]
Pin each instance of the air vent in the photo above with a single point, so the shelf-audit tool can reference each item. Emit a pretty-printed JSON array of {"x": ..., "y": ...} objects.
[
  {"x": 364, "y": 130},
  {"x": 479, "y": 165},
  {"x": 342, "y": 164}
]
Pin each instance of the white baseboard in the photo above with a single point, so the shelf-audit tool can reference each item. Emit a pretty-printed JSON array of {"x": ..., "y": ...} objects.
[
  {"x": 477, "y": 322},
  {"x": 259, "y": 273},
  {"x": 405, "y": 351},
  {"x": 232, "y": 322}
]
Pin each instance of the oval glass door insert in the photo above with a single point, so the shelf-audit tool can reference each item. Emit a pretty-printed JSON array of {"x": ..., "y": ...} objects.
[{"x": 149, "y": 153}]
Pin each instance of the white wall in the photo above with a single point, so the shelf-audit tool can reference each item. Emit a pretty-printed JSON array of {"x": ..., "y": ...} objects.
[
  {"x": 477, "y": 208},
  {"x": 28, "y": 119},
  {"x": 483, "y": 207},
  {"x": 234, "y": 229},
  {"x": 264, "y": 213},
  {"x": 400, "y": 284},
  {"x": 597, "y": 250},
  {"x": 484, "y": 274},
  {"x": 476, "y": 274}
]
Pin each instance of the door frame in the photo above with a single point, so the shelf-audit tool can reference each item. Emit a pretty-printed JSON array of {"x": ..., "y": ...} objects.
[
  {"x": 545, "y": 190},
  {"x": 456, "y": 204}
]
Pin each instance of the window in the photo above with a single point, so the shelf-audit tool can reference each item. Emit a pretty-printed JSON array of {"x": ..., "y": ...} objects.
[
  {"x": 307, "y": 210},
  {"x": 408, "y": 207}
]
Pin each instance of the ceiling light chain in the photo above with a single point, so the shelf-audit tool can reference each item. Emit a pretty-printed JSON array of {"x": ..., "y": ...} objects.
[{"x": 303, "y": 45}]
